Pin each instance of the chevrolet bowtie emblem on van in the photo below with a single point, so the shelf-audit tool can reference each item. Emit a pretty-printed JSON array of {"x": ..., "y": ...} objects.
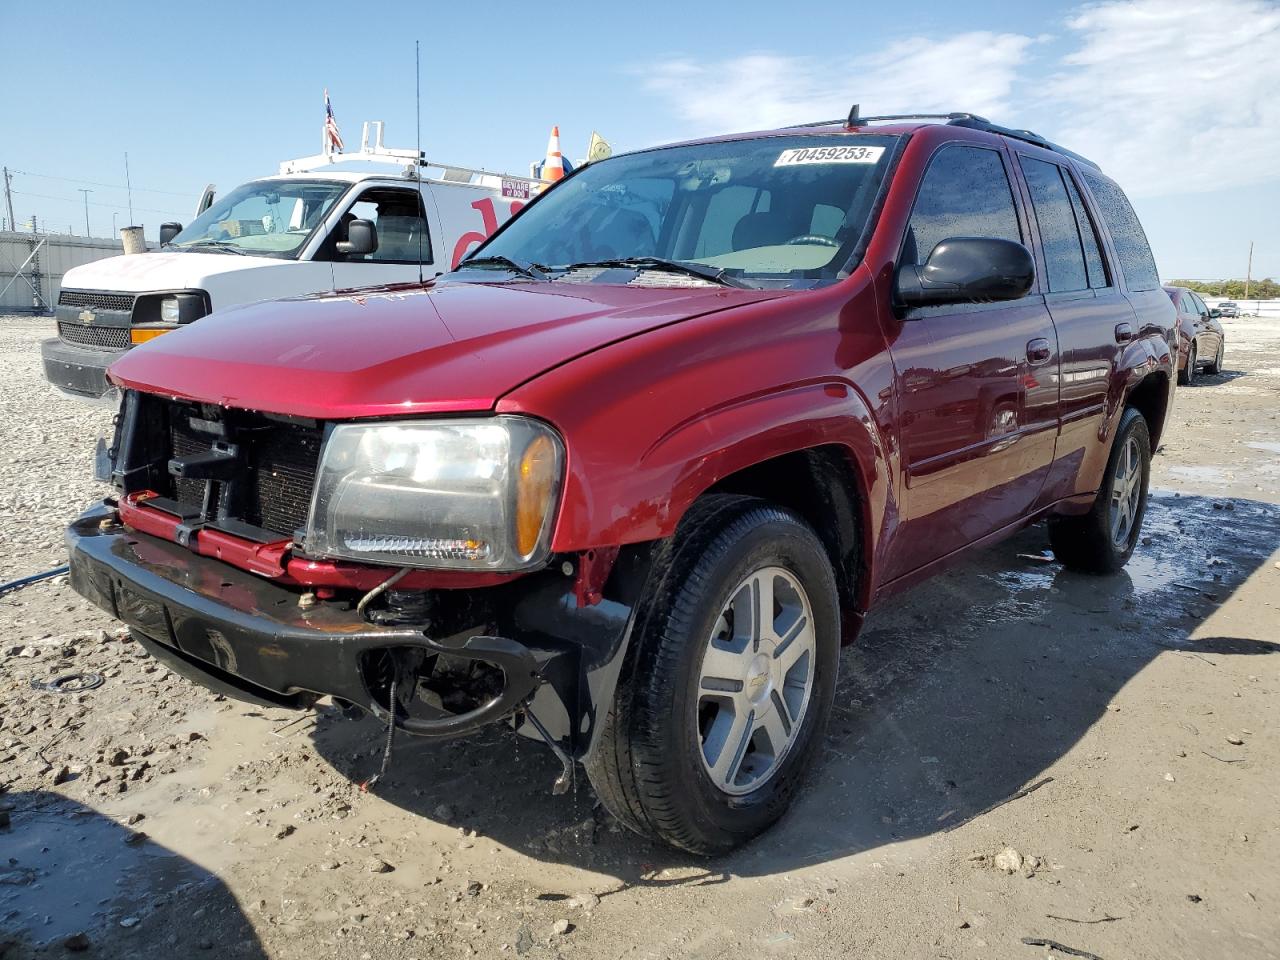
[{"x": 87, "y": 316}]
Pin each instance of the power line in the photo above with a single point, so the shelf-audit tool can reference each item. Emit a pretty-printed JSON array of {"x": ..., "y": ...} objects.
[
  {"x": 92, "y": 203},
  {"x": 95, "y": 183}
]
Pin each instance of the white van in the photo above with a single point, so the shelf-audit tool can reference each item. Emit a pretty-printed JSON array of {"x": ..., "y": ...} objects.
[{"x": 310, "y": 229}]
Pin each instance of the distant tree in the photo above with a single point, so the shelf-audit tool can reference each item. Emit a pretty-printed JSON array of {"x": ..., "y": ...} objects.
[{"x": 1266, "y": 289}]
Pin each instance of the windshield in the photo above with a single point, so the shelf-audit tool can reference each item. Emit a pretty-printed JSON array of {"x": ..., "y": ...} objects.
[
  {"x": 773, "y": 211},
  {"x": 265, "y": 218}
]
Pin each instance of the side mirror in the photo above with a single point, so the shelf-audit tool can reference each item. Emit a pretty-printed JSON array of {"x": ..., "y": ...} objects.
[
  {"x": 1215, "y": 313},
  {"x": 362, "y": 238},
  {"x": 168, "y": 231},
  {"x": 967, "y": 270}
]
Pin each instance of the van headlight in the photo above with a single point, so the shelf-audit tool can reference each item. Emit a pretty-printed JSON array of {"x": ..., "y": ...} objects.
[
  {"x": 183, "y": 307},
  {"x": 463, "y": 494}
]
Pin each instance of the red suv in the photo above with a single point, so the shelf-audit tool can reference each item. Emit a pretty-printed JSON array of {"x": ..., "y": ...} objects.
[{"x": 628, "y": 478}]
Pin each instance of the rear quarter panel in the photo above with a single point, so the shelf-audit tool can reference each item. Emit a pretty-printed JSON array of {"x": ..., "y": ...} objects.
[{"x": 1153, "y": 350}]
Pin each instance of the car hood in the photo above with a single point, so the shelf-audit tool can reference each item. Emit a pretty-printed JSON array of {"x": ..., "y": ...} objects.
[
  {"x": 451, "y": 347},
  {"x": 160, "y": 270}
]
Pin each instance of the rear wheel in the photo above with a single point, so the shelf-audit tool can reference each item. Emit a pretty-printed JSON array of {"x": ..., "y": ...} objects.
[
  {"x": 1215, "y": 367},
  {"x": 1103, "y": 539},
  {"x": 728, "y": 681},
  {"x": 1188, "y": 375}
]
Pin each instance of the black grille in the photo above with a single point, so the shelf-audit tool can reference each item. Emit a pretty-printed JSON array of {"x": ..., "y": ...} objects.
[
  {"x": 112, "y": 338},
  {"x": 96, "y": 298},
  {"x": 273, "y": 490}
]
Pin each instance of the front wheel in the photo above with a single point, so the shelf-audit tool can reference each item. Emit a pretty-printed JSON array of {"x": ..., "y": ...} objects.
[
  {"x": 1187, "y": 376},
  {"x": 1103, "y": 539},
  {"x": 728, "y": 681}
]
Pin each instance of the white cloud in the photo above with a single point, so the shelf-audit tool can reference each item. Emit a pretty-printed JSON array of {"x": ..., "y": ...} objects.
[
  {"x": 1173, "y": 96},
  {"x": 973, "y": 71},
  {"x": 1168, "y": 96}
]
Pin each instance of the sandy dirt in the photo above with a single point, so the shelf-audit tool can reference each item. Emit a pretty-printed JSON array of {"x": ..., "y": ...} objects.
[{"x": 148, "y": 818}]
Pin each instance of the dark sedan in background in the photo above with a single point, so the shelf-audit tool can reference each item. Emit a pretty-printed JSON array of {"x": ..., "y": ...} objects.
[{"x": 1200, "y": 337}]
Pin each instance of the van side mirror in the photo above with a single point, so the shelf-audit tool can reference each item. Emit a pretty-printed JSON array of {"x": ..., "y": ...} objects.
[
  {"x": 967, "y": 270},
  {"x": 362, "y": 238},
  {"x": 169, "y": 230}
]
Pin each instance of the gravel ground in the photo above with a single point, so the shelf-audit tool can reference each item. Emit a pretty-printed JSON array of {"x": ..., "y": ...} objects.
[{"x": 148, "y": 818}]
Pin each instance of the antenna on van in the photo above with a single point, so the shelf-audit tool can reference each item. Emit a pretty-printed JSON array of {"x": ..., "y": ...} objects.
[{"x": 417, "y": 164}]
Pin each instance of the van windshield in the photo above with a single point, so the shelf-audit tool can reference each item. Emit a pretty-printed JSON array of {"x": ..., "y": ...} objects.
[
  {"x": 263, "y": 218},
  {"x": 772, "y": 211}
]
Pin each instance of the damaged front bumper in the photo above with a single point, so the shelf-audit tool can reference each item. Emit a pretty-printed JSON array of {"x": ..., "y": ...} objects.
[{"x": 249, "y": 638}]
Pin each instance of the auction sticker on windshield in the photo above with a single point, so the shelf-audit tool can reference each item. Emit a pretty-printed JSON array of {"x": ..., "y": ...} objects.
[{"x": 802, "y": 155}]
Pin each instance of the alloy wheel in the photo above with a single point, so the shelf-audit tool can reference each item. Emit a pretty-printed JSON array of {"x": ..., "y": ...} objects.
[
  {"x": 756, "y": 680},
  {"x": 1126, "y": 491}
]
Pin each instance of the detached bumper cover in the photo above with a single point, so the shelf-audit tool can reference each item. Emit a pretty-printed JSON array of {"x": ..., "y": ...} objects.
[
  {"x": 81, "y": 371},
  {"x": 246, "y": 637}
]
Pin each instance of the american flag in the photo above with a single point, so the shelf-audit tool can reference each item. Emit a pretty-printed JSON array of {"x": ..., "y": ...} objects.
[{"x": 331, "y": 125}]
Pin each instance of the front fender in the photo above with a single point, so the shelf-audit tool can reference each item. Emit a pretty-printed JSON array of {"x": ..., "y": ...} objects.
[
  {"x": 702, "y": 451},
  {"x": 653, "y": 422}
]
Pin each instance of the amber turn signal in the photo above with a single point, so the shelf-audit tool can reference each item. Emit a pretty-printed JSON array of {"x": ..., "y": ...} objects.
[
  {"x": 535, "y": 488},
  {"x": 143, "y": 334}
]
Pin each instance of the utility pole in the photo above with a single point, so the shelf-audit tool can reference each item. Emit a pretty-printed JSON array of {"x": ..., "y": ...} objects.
[
  {"x": 86, "y": 191},
  {"x": 8, "y": 199},
  {"x": 1248, "y": 274}
]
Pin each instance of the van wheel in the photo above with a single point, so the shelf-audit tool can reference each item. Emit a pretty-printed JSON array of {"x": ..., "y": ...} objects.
[
  {"x": 1103, "y": 539},
  {"x": 1215, "y": 367},
  {"x": 1185, "y": 377},
  {"x": 728, "y": 681}
]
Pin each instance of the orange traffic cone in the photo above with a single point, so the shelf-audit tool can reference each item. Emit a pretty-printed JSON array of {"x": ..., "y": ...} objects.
[{"x": 553, "y": 169}]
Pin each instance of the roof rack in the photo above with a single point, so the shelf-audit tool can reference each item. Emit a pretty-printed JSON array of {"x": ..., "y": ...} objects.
[
  {"x": 1027, "y": 136},
  {"x": 408, "y": 161},
  {"x": 959, "y": 119},
  {"x": 855, "y": 119}
]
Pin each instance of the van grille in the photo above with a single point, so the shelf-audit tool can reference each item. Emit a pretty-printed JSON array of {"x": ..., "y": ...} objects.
[
  {"x": 109, "y": 338},
  {"x": 101, "y": 299}
]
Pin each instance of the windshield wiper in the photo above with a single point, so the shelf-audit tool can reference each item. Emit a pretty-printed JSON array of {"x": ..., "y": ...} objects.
[
  {"x": 714, "y": 274},
  {"x": 216, "y": 244},
  {"x": 534, "y": 271}
]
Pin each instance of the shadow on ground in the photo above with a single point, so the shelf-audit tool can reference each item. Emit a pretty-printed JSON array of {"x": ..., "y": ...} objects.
[
  {"x": 1204, "y": 379},
  {"x": 957, "y": 695},
  {"x": 66, "y": 870}
]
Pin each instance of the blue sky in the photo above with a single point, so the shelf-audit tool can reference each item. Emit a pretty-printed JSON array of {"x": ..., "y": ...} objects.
[{"x": 1175, "y": 99}]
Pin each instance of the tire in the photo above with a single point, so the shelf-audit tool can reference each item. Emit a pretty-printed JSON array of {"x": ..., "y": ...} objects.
[
  {"x": 663, "y": 764},
  {"x": 1097, "y": 542},
  {"x": 1215, "y": 367},
  {"x": 1187, "y": 376}
]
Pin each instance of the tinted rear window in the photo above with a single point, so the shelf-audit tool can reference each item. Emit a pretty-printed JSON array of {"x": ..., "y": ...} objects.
[
  {"x": 1063, "y": 255},
  {"x": 1088, "y": 236},
  {"x": 1136, "y": 261}
]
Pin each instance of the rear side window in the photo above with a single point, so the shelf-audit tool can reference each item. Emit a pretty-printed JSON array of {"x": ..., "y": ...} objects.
[
  {"x": 1088, "y": 237},
  {"x": 1136, "y": 261},
  {"x": 1059, "y": 236},
  {"x": 965, "y": 193}
]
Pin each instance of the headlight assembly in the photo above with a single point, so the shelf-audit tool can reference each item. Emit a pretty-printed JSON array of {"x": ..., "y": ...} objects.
[{"x": 463, "y": 494}]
